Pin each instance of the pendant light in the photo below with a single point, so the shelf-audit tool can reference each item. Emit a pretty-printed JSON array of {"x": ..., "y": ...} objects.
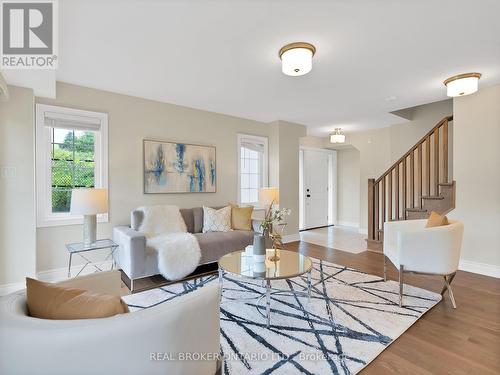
[{"x": 337, "y": 136}]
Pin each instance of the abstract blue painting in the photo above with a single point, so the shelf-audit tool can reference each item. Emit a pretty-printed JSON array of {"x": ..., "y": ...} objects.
[{"x": 179, "y": 168}]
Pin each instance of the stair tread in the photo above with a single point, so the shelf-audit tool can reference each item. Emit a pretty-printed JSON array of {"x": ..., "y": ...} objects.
[
  {"x": 445, "y": 184},
  {"x": 416, "y": 209},
  {"x": 432, "y": 197}
]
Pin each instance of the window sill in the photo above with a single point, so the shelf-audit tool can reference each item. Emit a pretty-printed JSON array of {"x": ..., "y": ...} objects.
[
  {"x": 256, "y": 206},
  {"x": 67, "y": 220}
]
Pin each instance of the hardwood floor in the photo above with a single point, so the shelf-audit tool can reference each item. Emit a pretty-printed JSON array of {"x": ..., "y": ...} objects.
[{"x": 465, "y": 340}]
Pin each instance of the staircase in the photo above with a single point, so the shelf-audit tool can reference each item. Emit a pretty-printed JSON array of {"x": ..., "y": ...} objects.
[{"x": 412, "y": 187}]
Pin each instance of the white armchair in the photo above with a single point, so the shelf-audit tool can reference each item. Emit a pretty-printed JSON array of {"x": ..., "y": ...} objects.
[
  {"x": 121, "y": 344},
  {"x": 412, "y": 247}
]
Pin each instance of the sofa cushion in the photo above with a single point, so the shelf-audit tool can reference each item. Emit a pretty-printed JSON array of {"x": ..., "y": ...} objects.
[
  {"x": 241, "y": 217},
  {"x": 187, "y": 215},
  {"x": 49, "y": 301},
  {"x": 214, "y": 245},
  {"x": 436, "y": 220},
  {"x": 136, "y": 218},
  {"x": 198, "y": 219},
  {"x": 216, "y": 220}
]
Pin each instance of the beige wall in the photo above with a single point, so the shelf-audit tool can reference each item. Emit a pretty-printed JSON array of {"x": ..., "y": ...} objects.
[
  {"x": 17, "y": 195},
  {"x": 133, "y": 119},
  {"x": 348, "y": 164},
  {"x": 374, "y": 159},
  {"x": 424, "y": 117},
  {"x": 380, "y": 148},
  {"x": 477, "y": 172},
  {"x": 285, "y": 140}
]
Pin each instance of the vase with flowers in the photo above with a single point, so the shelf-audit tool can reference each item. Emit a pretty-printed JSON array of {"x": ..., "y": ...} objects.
[{"x": 273, "y": 226}]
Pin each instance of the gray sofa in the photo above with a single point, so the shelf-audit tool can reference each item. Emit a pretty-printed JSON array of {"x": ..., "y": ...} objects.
[{"x": 137, "y": 261}]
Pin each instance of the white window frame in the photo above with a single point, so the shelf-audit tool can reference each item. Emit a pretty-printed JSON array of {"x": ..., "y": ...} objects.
[
  {"x": 265, "y": 163},
  {"x": 45, "y": 216}
]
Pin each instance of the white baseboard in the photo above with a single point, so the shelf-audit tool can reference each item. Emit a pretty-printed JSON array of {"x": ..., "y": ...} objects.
[
  {"x": 291, "y": 238},
  {"x": 54, "y": 275},
  {"x": 480, "y": 268},
  {"x": 11, "y": 288},
  {"x": 59, "y": 274},
  {"x": 348, "y": 224}
]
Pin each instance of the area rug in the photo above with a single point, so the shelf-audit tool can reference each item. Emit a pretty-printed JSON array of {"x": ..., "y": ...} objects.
[{"x": 351, "y": 318}]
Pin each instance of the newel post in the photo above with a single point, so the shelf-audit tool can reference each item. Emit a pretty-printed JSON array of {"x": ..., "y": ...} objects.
[{"x": 371, "y": 208}]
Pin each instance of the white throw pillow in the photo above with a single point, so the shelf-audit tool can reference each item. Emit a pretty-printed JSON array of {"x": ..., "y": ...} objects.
[{"x": 216, "y": 220}]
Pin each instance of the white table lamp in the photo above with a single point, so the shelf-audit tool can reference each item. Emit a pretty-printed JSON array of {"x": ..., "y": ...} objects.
[
  {"x": 89, "y": 203},
  {"x": 269, "y": 196}
]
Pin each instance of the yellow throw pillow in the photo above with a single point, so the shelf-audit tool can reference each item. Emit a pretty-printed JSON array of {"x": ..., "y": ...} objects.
[
  {"x": 436, "y": 220},
  {"x": 49, "y": 301},
  {"x": 241, "y": 217}
]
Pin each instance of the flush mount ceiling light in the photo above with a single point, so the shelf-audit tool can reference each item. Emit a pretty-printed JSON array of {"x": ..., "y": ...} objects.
[
  {"x": 296, "y": 58},
  {"x": 462, "y": 84},
  {"x": 337, "y": 136}
]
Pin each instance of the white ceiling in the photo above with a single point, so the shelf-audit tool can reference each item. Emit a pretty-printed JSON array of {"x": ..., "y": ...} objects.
[{"x": 222, "y": 56}]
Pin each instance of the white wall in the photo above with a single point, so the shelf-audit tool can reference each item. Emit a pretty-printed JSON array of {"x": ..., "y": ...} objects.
[
  {"x": 477, "y": 172},
  {"x": 17, "y": 194},
  {"x": 348, "y": 185}
]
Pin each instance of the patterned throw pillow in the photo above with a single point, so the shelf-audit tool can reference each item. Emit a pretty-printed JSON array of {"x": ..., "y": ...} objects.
[{"x": 216, "y": 220}]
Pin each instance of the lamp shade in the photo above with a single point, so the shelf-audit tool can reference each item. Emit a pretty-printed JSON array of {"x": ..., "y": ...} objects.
[
  {"x": 89, "y": 201},
  {"x": 269, "y": 195}
]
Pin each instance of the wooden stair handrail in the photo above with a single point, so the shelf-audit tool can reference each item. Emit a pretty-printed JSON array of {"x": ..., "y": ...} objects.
[{"x": 421, "y": 141}]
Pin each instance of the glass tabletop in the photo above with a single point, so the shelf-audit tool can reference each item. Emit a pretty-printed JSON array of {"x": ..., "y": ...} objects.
[
  {"x": 99, "y": 244},
  {"x": 290, "y": 264}
]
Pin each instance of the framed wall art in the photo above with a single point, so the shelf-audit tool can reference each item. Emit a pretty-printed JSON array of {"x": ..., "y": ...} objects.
[{"x": 171, "y": 167}]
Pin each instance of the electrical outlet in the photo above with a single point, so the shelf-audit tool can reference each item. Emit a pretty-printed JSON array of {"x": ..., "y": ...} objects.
[{"x": 7, "y": 173}]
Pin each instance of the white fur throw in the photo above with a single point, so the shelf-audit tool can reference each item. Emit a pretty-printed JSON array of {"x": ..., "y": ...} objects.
[
  {"x": 216, "y": 220},
  {"x": 178, "y": 254},
  {"x": 178, "y": 251},
  {"x": 161, "y": 220}
]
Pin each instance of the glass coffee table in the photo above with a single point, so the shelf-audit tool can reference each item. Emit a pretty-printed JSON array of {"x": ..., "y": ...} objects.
[{"x": 291, "y": 264}]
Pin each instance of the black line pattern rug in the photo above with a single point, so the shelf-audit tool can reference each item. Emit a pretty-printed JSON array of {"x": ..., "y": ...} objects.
[{"x": 352, "y": 318}]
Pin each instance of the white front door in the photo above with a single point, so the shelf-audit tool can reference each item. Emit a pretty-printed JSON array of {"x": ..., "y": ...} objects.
[{"x": 315, "y": 188}]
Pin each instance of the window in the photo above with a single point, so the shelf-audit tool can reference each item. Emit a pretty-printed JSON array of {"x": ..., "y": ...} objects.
[
  {"x": 71, "y": 152},
  {"x": 252, "y": 167}
]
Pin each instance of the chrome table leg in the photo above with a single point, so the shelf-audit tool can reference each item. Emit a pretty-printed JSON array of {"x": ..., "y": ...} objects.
[
  {"x": 401, "y": 270},
  {"x": 309, "y": 286},
  {"x": 268, "y": 303},
  {"x": 221, "y": 281},
  {"x": 69, "y": 265}
]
